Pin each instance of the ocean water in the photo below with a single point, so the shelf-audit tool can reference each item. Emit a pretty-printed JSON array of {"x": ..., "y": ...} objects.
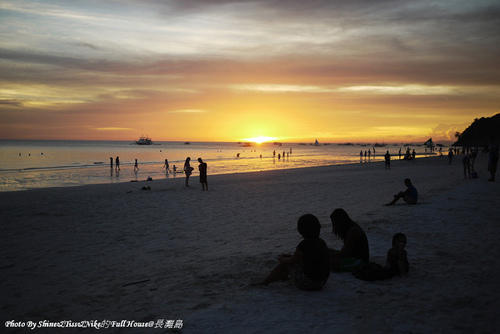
[{"x": 28, "y": 164}]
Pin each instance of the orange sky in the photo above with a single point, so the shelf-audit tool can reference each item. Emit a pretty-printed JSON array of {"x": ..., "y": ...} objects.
[{"x": 358, "y": 71}]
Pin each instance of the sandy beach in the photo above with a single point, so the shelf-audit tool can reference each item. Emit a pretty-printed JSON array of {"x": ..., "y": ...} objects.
[{"x": 116, "y": 252}]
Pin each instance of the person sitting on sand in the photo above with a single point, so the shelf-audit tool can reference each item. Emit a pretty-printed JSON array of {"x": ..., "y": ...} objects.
[
  {"x": 309, "y": 265},
  {"x": 355, "y": 251},
  {"x": 410, "y": 195},
  {"x": 397, "y": 258}
]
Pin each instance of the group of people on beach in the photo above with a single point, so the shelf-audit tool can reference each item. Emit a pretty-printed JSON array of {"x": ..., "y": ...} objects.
[
  {"x": 409, "y": 155},
  {"x": 187, "y": 169},
  {"x": 310, "y": 265},
  {"x": 117, "y": 163},
  {"x": 202, "y": 167}
]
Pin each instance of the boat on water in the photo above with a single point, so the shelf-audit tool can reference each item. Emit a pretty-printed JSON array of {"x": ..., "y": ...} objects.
[{"x": 144, "y": 141}]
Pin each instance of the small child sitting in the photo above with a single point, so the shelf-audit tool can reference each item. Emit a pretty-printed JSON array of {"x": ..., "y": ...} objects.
[{"x": 397, "y": 258}]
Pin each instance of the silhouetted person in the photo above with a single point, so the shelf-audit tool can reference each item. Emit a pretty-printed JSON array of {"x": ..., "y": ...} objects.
[
  {"x": 117, "y": 163},
  {"x": 203, "y": 174},
  {"x": 387, "y": 158},
  {"x": 166, "y": 166},
  {"x": 308, "y": 267},
  {"x": 397, "y": 258},
  {"x": 410, "y": 195},
  {"x": 111, "y": 163},
  {"x": 188, "y": 170},
  {"x": 355, "y": 252},
  {"x": 136, "y": 166}
]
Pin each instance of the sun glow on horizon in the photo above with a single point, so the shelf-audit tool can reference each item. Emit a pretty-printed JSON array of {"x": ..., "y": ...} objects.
[{"x": 260, "y": 139}]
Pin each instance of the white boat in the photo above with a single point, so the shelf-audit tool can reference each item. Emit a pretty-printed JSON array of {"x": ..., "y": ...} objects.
[{"x": 144, "y": 141}]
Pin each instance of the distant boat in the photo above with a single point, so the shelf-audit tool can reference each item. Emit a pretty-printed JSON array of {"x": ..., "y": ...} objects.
[
  {"x": 316, "y": 143},
  {"x": 144, "y": 141}
]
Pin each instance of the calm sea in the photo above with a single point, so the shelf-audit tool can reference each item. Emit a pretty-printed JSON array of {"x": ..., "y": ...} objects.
[{"x": 28, "y": 164}]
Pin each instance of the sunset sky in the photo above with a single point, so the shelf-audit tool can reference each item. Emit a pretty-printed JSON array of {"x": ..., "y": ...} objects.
[{"x": 221, "y": 70}]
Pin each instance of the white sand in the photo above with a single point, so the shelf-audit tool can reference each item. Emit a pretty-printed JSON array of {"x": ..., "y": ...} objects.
[{"x": 69, "y": 253}]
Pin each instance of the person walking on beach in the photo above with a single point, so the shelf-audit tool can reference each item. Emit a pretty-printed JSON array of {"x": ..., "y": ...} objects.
[
  {"x": 308, "y": 267},
  {"x": 387, "y": 158},
  {"x": 450, "y": 156},
  {"x": 188, "y": 170},
  {"x": 410, "y": 195},
  {"x": 355, "y": 251},
  {"x": 111, "y": 163},
  {"x": 117, "y": 163},
  {"x": 203, "y": 174},
  {"x": 136, "y": 166},
  {"x": 166, "y": 166}
]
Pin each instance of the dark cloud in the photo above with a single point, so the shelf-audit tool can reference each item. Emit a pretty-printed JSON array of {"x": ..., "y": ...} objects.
[{"x": 13, "y": 102}]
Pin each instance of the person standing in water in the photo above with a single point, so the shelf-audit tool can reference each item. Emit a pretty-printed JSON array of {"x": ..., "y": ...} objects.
[{"x": 166, "y": 166}]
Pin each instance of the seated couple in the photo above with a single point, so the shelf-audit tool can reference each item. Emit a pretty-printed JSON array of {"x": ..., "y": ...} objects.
[{"x": 309, "y": 267}]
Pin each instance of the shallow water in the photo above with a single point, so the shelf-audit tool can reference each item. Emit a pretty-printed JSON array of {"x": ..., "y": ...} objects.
[{"x": 27, "y": 164}]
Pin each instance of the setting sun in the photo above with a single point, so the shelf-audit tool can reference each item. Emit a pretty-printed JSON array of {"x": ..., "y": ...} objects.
[{"x": 260, "y": 139}]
